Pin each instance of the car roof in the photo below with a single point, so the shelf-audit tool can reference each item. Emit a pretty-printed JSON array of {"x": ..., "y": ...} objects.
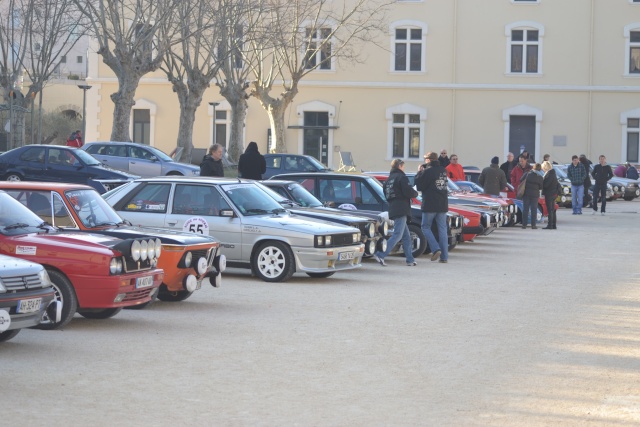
[
  {"x": 113, "y": 142},
  {"x": 32, "y": 185},
  {"x": 324, "y": 175},
  {"x": 277, "y": 181},
  {"x": 195, "y": 179}
]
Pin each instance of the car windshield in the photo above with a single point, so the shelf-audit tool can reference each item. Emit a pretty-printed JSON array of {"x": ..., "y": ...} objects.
[
  {"x": 15, "y": 218},
  {"x": 250, "y": 199},
  {"x": 316, "y": 163},
  {"x": 302, "y": 196},
  {"x": 376, "y": 186},
  {"x": 160, "y": 154},
  {"x": 560, "y": 172},
  {"x": 86, "y": 158},
  {"x": 453, "y": 186},
  {"x": 92, "y": 209}
]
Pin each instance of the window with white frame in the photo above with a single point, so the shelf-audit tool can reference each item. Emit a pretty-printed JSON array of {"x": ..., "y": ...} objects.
[
  {"x": 633, "y": 139},
  {"x": 318, "y": 49},
  {"x": 406, "y": 131},
  {"x": 632, "y": 36},
  {"x": 408, "y": 46},
  {"x": 524, "y": 48}
]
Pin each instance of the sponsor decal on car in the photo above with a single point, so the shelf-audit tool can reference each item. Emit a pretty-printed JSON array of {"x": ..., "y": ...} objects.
[
  {"x": 26, "y": 250},
  {"x": 196, "y": 224}
]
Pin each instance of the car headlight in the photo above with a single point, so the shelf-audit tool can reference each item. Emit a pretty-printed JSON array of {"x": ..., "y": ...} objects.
[
  {"x": 135, "y": 250},
  {"x": 202, "y": 265},
  {"x": 371, "y": 247},
  {"x": 319, "y": 241},
  {"x": 115, "y": 266},
  {"x": 622, "y": 188},
  {"x": 356, "y": 237},
  {"x": 371, "y": 230},
  {"x": 220, "y": 263},
  {"x": 382, "y": 245},
  {"x": 327, "y": 240},
  {"x": 188, "y": 257},
  {"x": 144, "y": 250},
  {"x": 2, "y": 288},
  {"x": 158, "y": 250},
  {"x": 566, "y": 190},
  {"x": 151, "y": 249},
  {"x": 384, "y": 228},
  {"x": 44, "y": 278},
  {"x": 195, "y": 172},
  {"x": 615, "y": 188}
]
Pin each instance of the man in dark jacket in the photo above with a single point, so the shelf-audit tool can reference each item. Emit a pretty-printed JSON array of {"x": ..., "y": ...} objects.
[
  {"x": 443, "y": 159},
  {"x": 251, "y": 164},
  {"x": 587, "y": 179},
  {"x": 398, "y": 193},
  {"x": 531, "y": 196},
  {"x": 602, "y": 173},
  {"x": 508, "y": 166},
  {"x": 212, "y": 163},
  {"x": 432, "y": 181},
  {"x": 576, "y": 174},
  {"x": 492, "y": 178}
]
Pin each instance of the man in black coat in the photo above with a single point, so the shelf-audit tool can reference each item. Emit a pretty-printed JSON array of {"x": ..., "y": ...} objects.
[
  {"x": 508, "y": 166},
  {"x": 212, "y": 163},
  {"x": 251, "y": 164},
  {"x": 398, "y": 193},
  {"x": 433, "y": 182},
  {"x": 602, "y": 173}
]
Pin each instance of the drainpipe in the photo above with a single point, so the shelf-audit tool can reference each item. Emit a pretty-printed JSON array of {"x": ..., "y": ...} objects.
[
  {"x": 590, "y": 102},
  {"x": 454, "y": 75}
]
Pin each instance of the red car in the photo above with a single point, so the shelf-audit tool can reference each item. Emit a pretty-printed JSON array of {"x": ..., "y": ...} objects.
[{"x": 93, "y": 275}]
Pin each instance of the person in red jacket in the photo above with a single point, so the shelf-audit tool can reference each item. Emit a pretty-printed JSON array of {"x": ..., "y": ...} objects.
[
  {"x": 75, "y": 140},
  {"x": 454, "y": 170},
  {"x": 518, "y": 171}
]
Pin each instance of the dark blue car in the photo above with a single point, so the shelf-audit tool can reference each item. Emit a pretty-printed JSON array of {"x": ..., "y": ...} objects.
[
  {"x": 278, "y": 163},
  {"x": 56, "y": 163}
]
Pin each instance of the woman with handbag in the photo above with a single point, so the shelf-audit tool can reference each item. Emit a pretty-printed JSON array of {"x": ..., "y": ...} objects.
[{"x": 550, "y": 187}]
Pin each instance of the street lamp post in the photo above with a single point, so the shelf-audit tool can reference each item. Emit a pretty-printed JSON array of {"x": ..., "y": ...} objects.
[
  {"x": 84, "y": 109},
  {"x": 214, "y": 105}
]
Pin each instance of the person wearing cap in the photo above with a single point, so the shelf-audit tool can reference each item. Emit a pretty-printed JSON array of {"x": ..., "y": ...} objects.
[
  {"x": 443, "y": 159},
  {"x": 508, "y": 166},
  {"x": 492, "y": 178},
  {"x": 432, "y": 181},
  {"x": 398, "y": 193}
]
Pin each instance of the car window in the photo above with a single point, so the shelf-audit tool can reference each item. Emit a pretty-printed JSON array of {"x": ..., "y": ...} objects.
[
  {"x": 291, "y": 164},
  {"x": 114, "y": 150},
  {"x": 95, "y": 149},
  {"x": 194, "y": 199},
  {"x": 152, "y": 198},
  {"x": 34, "y": 154},
  {"x": 141, "y": 153},
  {"x": 61, "y": 157},
  {"x": 63, "y": 216},
  {"x": 92, "y": 209},
  {"x": 250, "y": 199},
  {"x": 273, "y": 162}
]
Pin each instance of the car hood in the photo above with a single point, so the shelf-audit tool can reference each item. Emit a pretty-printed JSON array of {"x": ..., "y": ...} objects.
[
  {"x": 70, "y": 240},
  {"x": 11, "y": 267},
  {"x": 329, "y": 214},
  {"x": 168, "y": 237},
  {"x": 297, "y": 223},
  {"x": 106, "y": 172}
]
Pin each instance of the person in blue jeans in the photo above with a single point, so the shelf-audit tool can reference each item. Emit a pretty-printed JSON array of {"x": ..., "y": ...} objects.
[
  {"x": 398, "y": 193},
  {"x": 432, "y": 181},
  {"x": 576, "y": 174}
]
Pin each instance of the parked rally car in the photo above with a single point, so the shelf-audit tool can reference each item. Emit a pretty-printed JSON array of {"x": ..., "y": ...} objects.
[
  {"x": 363, "y": 192},
  {"x": 374, "y": 228},
  {"x": 94, "y": 275},
  {"x": 254, "y": 230},
  {"x": 26, "y": 296},
  {"x": 188, "y": 260}
]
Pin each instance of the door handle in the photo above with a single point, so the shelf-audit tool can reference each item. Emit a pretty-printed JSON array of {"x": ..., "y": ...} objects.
[{"x": 172, "y": 223}]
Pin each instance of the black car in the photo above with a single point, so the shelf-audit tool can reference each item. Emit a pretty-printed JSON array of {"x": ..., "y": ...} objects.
[
  {"x": 374, "y": 228},
  {"x": 364, "y": 192},
  {"x": 56, "y": 163},
  {"x": 278, "y": 163}
]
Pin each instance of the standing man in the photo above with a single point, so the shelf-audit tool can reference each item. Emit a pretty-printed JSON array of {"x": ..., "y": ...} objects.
[
  {"x": 519, "y": 170},
  {"x": 602, "y": 173},
  {"x": 587, "y": 180},
  {"x": 443, "y": 159},
  {"x": 398, "y": 193},
  {"x": 492, "y": 178},
  {"x": 576, "y": 174},
  {"x": 508, "y": 166},
  {"x": 431, "y": 180},
  {"x": 251, "y": 164},
  {"x": 531, "y": 196},
  {"x": 212, "y": 163},
  {"x": 454, "y": 170}
]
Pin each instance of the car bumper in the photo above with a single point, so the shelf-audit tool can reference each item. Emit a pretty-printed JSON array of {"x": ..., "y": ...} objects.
[
  {"x": 321, "y": 260},
  {"x": 174, "y": 276},
  {"x": 9, "y": 303},
  {"x": 115, "y": 291}
]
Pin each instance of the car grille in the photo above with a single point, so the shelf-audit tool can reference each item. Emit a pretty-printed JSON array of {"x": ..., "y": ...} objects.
[
  {"x": 21, "y": 283},
  {"x": 131, "y": 266},
  {"x": 342, "y": 239},
  {"x": 209, "y": 254}
]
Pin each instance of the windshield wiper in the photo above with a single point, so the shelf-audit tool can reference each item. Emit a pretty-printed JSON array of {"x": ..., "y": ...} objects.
[
  {"x": 258, "y": 211},
  {"x": 278, "y": 210},
  {"x": 124, "y": 222},
  {"x": 106, "y": 223},
  {"x": 17, "y": 225}
]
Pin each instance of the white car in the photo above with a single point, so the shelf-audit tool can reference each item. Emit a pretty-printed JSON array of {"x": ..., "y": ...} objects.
[{"x": 253, "y": 229}]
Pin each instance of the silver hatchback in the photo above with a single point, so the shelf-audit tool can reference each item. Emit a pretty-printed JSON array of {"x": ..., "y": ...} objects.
[{"x": 138, "y": 159}]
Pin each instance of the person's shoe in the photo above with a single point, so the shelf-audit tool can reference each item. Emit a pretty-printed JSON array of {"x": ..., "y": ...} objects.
[
  {"x": 379, "y": 260},
  {"x": 412, "y": 264},
  {"x": 435, "y": 255},
  {"x": 548, "y": 227},
  {"x": 524, "y": 226},
  {"x": 593, "y": 212},
  {"x": 602, "y": 213},
  {"x": 533, "y": 227},
  {"x": 555, "y": 228},
  {"x": 580, "y": 213},
  {"x": 443, "y": 261}
]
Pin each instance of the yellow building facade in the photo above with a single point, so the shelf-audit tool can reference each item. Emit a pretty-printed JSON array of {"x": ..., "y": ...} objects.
[{"x": 478, "y": 78}]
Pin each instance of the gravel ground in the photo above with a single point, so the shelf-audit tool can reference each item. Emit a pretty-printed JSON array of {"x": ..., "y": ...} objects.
[{"x": 523, "y": 327}]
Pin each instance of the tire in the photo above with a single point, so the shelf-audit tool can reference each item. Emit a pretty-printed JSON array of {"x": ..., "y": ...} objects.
[
  {"x": 629, "y": 198},
  {"x": 172, "y": 296},
  {"x": 15, "y": 177},
  {"x": 321, "y": 275},
  {"x": 66, "y": 295},
  {"x": 7, "y": 335},
  {"x": 273, "y": 261},
  {"x": 418, "y": 240},
  {"x": 100, "y": 314}
]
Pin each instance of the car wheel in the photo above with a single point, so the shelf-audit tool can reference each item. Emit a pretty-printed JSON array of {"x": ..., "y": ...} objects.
[
  {"x": 273, "y": 262},
  {"x": 418, "y": 242},
  {"x": 66, "y": 295},
  {"x": 172, "y": 296},
  {"x": 629, "y": 198},
  {"x": 7, "y": 335},
  {"x": 100, "y": 314},
  {"x": 13, "y": 177},
  {"x": 321, "y": 275}
]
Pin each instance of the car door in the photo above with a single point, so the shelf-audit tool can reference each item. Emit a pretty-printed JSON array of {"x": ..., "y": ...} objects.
[
  {"x": 195, "y": 208},
  {"x": 143, "y": 162},
  {"x": 146, "y": 205},
  {"x": 112, "y": 155},
  {"x": 274, "y": 165},
  {"x": 31, "y": 164},
  {"x": 62, "y": 165}
]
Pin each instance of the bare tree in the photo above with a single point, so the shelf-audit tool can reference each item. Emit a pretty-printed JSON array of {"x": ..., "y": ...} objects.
[
  {"x": 34, "y": 34},
  {"x": 297, "y": 37},
  {"x": 133, "y": 37}
]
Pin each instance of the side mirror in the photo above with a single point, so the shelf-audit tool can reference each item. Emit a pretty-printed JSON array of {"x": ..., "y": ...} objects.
[
  {"x": 227, "y": 213},
  {"x": 153, "y": 158}
]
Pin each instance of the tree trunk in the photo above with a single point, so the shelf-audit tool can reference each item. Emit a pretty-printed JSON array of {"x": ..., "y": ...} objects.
[
  {"x": 276, "y": 118},
  {"x": 238, "y": 116},
  {"x": 123, "y": 103},
  {"x": 188, "y": 106}
]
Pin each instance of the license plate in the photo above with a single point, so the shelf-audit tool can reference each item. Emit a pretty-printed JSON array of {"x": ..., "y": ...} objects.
[
  {"x": 29, "y": 305},
  {"x": 345, "y": 255},
  {"x": 144, "y": 282}
]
